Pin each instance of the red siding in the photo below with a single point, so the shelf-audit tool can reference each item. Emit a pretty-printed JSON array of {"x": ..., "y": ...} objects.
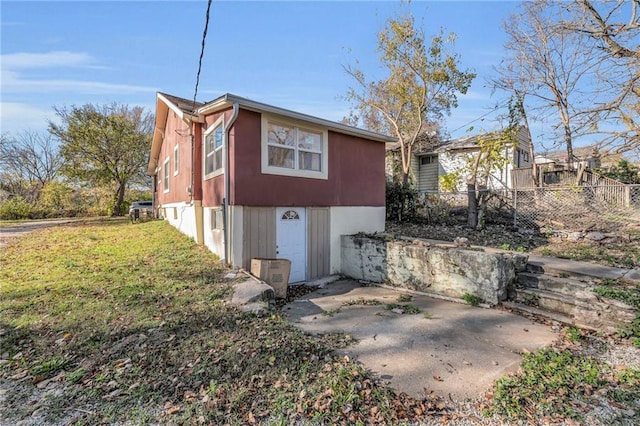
[
  {"x": 176, "y": 133},
  {"x": 356, "y": 172},
  {"x": 212, "y": 189}
]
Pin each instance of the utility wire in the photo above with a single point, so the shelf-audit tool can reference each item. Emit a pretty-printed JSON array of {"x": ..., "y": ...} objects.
[
  {"x": 482, "y": 116},
  {"x": 204, "y": 38}
]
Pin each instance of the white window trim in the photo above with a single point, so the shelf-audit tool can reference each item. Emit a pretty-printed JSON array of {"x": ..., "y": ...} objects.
[
  {"x": 218, "y": 123},
  {"x": 166, "y": 176},
  {"x": 176, "y": 160},
  {"x": 272, "y": 170}
]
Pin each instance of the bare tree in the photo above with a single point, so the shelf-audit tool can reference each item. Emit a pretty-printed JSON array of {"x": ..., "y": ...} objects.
[
  {"x": 552, "y": 69},
  {"x": 29, "y": 161},
  {"x": 614, "y": 27}
]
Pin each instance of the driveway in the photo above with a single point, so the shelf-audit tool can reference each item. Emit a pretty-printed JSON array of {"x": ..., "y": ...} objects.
[
  {"x": 454, "y": 349},
  {"x": 21, "y": 228}
]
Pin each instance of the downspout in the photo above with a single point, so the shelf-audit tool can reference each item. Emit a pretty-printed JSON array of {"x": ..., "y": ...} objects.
[
  {"x": 225, "y": 200},
  {"x": 193, "y": 156}
]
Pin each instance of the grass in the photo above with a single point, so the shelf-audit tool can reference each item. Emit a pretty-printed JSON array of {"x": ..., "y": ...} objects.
[
  {"x": 558, "y": 384},
  {"x": 405, "y": 307},
  {"x": 619, "y": 254},
  {"x": 402, "y": 298},
  {"x": 133, "y": 318},
  {"x": 629, "y": 293},
  {"x": 471, "y": 299},
  {"x": 573, "y": 334}
]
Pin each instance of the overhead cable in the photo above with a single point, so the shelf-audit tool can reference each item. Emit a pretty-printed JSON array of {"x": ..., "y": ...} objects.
[{"x": 204, "y": 38}]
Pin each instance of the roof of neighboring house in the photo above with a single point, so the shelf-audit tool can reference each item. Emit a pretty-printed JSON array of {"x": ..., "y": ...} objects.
[
  {"x": 582, "y": 153},
  {"x": 466, "y": 143},
  {"x": 188, "y": 111}
]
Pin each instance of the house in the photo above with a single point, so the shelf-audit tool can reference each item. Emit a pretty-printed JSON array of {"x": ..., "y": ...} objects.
[
  {"x": 251, "y": 180},
  {"x": 436, "y": 160},
  {"x": 589, "y": 156}
]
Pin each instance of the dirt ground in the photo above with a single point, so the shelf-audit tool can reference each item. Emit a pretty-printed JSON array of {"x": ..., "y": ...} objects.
[{"x": 620, "y": 248}]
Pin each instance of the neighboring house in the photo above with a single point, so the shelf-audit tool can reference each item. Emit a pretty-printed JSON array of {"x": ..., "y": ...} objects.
[
  {"x": 251, "y": 180},
  {"x": 451, "y": 156},
  {"x": 589, "y": 156}
]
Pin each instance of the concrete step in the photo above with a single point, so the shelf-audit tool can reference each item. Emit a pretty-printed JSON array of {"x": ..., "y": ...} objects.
[
  {"x": 582, "y": 271},
  {"x": 548, "y": 300},
  {"x": 537, "y": 312},
  {"x": 568, "y": 286},
  {"x": 560, "y": 271},
  {"x": 585, "y": 309}
]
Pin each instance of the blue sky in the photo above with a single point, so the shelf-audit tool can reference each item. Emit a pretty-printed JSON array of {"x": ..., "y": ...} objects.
[{"x": 288, "y": 54}]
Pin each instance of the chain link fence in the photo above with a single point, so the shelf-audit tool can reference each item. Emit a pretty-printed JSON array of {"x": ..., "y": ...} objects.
[
  {"x": 605, "y": 207},
  {"x": 450, "y": 208}
]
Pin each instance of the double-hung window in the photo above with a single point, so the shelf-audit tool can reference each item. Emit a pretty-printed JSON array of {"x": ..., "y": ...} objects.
[
  {"x": 294, "y": 150},
  {"x": 165, "y": 175},
  {"x": 176, "y": 159},
  {"x": 213, "y": 150}
]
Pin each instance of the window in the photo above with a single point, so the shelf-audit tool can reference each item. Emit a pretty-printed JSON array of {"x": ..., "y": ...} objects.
[
  {"x": 429, "y": 159},
  {"x": 525, "y": 156},
  {"x": 165, "y": 175},
  {"x": 290, "y": 215},
  {"x": 217, "y": 221},
  {"x": 176, "y": 160},
  {"x": 294, "y": 150},
  {"x": 213, "y": 150}
]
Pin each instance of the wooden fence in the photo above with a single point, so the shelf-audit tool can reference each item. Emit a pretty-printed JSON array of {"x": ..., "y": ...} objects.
[{"x": 600, "y": 187}]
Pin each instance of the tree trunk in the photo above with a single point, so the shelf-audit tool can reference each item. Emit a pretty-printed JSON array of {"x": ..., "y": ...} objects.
[
  {"x": 472, "y": 218},
  {"x": 405, "y": 178},
  {"x": 569, "y": 144},
  {"x": 117, "y": 208},
  {"x": 481, "y": 208}
]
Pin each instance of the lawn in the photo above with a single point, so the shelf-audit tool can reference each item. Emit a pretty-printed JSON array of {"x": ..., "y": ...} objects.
[{"x": 105, "y": 322}]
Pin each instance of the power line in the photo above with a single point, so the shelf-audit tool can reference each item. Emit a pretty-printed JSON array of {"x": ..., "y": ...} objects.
[
  {"x": 204, "y": 38},
  {"x": 482, "y": 116}
]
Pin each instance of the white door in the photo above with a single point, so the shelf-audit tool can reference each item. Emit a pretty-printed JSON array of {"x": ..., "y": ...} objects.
[{"x": 291, "y": 240}]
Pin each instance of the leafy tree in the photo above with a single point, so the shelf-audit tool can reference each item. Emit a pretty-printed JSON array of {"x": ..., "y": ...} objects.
[
  {"x": 480, "y": 166},
  {"x": 105, "y": 145},
  {"x": 624, "y": 171},
  {"x": 491, "y": 157},
  {"x": 57, "y": 197},
  {"x": 28, "y": 162},
  {"x": 420, "y": 86}
]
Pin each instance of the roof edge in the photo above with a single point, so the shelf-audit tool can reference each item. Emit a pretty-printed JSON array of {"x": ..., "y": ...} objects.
[{"x": 228, "y": 99}]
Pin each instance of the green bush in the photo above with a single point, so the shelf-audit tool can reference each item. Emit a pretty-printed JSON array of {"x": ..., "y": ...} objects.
[
  {"x": 18, "y": 208},
  {"x": 402, "y": 201}
]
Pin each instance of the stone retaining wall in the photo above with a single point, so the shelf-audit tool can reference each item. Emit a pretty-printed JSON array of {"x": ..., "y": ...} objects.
[{"x": 420, "y": 266}]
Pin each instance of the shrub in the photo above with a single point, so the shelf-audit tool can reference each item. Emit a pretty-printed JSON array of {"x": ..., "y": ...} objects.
[
  {"x": 402, "y": 201},
  {"x": 18, "y": 208}
]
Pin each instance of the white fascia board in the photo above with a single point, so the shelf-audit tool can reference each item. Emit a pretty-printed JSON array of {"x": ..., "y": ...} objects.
[
  {"x": 186, "y": 117},
  {"x": 227, "y": 100}
]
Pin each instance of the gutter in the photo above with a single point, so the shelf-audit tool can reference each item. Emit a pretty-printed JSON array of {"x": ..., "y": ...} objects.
[
  {"x": 225, "y": 200},
  {"x": 227, "y": 99}
]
